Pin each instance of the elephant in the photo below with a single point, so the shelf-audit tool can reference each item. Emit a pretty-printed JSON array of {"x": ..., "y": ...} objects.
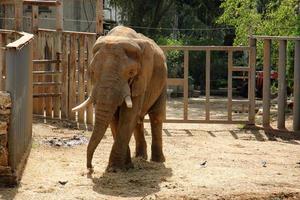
[{"x": 128, "y": 72}]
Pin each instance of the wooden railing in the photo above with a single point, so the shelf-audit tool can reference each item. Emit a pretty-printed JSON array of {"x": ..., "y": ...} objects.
[
  {"x": 249, "y": 69},
  {"x": 282, "y": 86}
]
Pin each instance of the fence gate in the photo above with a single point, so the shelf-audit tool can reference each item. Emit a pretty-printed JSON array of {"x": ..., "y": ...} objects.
[{"x": 231, "y": 68}]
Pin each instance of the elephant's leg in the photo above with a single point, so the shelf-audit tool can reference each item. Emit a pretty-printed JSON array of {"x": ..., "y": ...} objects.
[
  {"x": 113, "y": 127},
  {"x": 140, "y": 142},
  {"x": 120, "y": 153},
  {"x": 157, "y": 115}
]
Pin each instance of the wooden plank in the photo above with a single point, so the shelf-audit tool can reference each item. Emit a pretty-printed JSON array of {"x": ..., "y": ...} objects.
[
  {"x": 64, "y": 78},
  {"x": 99, "y": 17},
  {"x": 48, "y": 80},
  {"x": 266, "y": 82},
  {"x": 207, "y": 85},
  {"x": 186, "y": 85},
  {"x": 41, "y": 3},
  {"x": 46, "y": 72},
  {"x": 89, "y": 111},
  {"x": 81, "y": 68},
  {"x": 72, "y": 76},
  {"x": 1, "y": 63},
  {"x": 35, "y": 18},
  {"x": 40, "y": 106},
  {"x": 281, "y": 84},
  {"x": 46, "y": 61},
  {"x": 263, "y": 37},
  {"x": 296, "y": 109},
  {"x": 251, "y": 81},
  {"x": 240, "y": 69},
  {"x": 230, "y": 66},
  {"x": 175, "y": 81},
  {"x": 57, "y": 79},
  {"x": 46, "y": 95},
  {"x": 46, "y": 83}
]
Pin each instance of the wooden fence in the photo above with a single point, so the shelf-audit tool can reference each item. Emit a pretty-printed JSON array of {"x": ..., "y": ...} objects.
[
  {"x": 16, "y": 68},
  {"x": 282, "y": 80}
]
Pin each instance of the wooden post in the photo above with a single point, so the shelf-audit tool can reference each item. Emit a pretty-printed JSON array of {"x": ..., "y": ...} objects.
[
  {"x": 35, "y": 18},
  {"x": 99, "y": 17},
  {"x": 18, "y": 15},
  {"x": 252, "y": 73},
  {"x": 64, "y": 86},
  {"x": 207, "y": 85},
  {"x": 296, "y": 109},
  {"x": 230, "y": 66},
  {"x": 281, "y": 84},
  {"x": 81, "y": 68},
  {"x": 59, "y": 15},
  {"x": 89, "y": 111},
  {"x": 72, "y": 75},
  {"x": 186, "y": 85},
  {"x": 266, "y": 82}
]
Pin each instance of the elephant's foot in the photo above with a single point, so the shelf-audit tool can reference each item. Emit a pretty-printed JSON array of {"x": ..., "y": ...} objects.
[
  {"x": 141, "y": 152},
  {"x": 157, "y": 156},
  {"x": 117, "y": 168}
]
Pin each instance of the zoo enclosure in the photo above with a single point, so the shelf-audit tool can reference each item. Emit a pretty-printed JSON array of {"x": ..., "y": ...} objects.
[
  {"x": 61, "y": 59},
  {"x": 16, "y": 78}
]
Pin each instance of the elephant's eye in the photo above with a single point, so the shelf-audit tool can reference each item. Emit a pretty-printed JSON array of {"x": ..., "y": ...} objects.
[{"x": 131, "y": 73}]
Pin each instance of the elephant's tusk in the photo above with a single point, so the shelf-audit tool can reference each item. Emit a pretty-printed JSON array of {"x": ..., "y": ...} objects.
[
  {"x": 128, "y": 101},
  {"x": 82, "y": 105}
]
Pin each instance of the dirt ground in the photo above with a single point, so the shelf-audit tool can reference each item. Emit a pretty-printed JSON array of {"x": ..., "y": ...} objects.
[{"x": 202, "y": 162}]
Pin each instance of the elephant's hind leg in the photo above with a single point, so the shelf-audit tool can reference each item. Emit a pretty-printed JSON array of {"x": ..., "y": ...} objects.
[
  {"x": 141, "y": 146},
  {"x": 157, "y": 115}
]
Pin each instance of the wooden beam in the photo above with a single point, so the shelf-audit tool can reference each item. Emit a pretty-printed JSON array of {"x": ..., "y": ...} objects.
[
  {"x": 35, "y": 18},
  {"x": 281, "y": 84},
  {"x": 186, "y": 85},
  {"x": 251, "y": 80},
  {"x": 266, "y": 82},
  {"x": 296, "y": 109},
  {"x": 229, "y": 87},
  {"x": 19, "y": 16},
  {"x": 41, "y": 2},
  {"x": 207, "y": 85}
]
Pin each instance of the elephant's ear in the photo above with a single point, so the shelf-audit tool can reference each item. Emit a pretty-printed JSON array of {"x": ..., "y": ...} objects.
[{"x": 144, "y": 75}]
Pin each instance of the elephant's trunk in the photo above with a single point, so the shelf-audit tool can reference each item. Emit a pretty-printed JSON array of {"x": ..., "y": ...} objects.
[{"x": 103, "y": 115}]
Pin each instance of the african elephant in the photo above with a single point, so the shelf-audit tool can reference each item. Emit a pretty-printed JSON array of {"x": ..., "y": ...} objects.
[{"x": 129, "y": 76}]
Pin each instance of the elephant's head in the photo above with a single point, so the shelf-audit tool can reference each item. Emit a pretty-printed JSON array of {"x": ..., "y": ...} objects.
[{"x": 121, "y": 69}]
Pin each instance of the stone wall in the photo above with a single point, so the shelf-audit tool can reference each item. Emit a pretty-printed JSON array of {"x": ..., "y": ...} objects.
[{"x": 5, "y": 106}]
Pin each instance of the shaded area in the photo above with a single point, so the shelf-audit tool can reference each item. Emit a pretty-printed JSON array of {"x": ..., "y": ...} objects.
[{"x": 135, "y": 182}]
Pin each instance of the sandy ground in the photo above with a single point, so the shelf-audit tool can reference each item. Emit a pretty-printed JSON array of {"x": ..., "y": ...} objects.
[{"x": 202, "y": 162}]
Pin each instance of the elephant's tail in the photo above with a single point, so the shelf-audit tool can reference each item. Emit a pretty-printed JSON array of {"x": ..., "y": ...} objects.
[{"x": 83, "y": 104}]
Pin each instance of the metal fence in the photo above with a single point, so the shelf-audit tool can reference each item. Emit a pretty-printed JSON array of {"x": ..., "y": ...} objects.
[{"x": 17, "y": 70}]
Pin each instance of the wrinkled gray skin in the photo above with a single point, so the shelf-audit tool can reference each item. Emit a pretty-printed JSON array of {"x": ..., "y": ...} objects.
[{"x": 127, "y": 65}]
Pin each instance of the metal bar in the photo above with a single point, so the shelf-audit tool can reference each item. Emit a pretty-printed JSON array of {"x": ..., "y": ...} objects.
[
  {"x": 251, "y": 80},
  {"x": 281, "y": 84},
  {"x": 241, "y": 69},
  {"x": 229, "y": 105},
  {"x": 186, "y": 85},
  {"x": 263, "y": 37},
  {"x": 207, "y": 85},
  {"x": 203, "y": 121},
  {"x": 296, "y": 109},
  {"x": 266, "y": 82}
]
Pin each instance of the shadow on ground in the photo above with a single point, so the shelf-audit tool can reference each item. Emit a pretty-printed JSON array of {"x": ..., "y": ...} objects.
[{"x": 143, "y": 180}]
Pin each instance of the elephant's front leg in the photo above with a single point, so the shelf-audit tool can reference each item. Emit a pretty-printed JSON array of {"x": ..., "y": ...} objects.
[{"x": 120, "y": 154}]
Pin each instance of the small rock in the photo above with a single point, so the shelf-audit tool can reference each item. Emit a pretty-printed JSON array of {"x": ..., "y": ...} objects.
[
  {"x": 264, "y": 163},
  {"x": 203, "y": 164}
]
